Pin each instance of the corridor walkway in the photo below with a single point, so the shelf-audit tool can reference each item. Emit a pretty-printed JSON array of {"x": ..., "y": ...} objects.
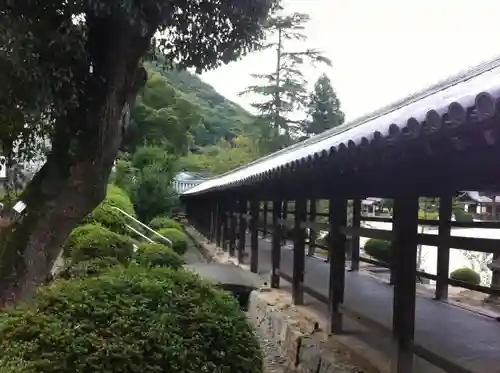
[{"x": 470, "y": 340}]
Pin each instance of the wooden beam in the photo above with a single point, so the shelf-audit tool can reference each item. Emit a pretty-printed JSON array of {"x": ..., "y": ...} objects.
[
  {"x": 299, "y": 252},
  {"x": 276, "y": 245},
  {"x": 312, "y": 232},
  {"x": 404, "y": 268},
  {"x": 336, "y": 246}
]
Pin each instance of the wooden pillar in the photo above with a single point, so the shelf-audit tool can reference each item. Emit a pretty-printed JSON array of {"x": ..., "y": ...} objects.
[
  {"x": 212, "y": 216},
  {"x": 405, "y": 229},
  {"x": 312, "y": 232},
  {"x": 356, "y": 223},
  {"x": 443, "y": 254},
  {"x": 220, "y": 223},
  {"x": 336, "y": 246},
  {"x": 265, "y": 212},
  {"x": 276, "y": 245},
  {"x": 232, "y": 228},
  {"x": 254, "y": 235},
  {"x": 242, "y": 230},
  {"x": 299, "y": 246},
  {"x": 225, "y": 227},
  {"x": 284, "y": 229}
]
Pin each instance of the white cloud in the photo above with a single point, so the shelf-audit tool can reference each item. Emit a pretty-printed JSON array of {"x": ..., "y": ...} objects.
[{"x": 381, "y": 50}]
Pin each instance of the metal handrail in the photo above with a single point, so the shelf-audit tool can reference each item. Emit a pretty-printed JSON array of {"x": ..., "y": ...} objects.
[
  {"x": 165, "y": 239},
  {"x": 139, "y": 233}
]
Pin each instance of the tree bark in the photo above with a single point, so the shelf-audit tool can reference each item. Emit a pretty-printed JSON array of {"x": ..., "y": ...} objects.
[{"x": 73, "y": 180}]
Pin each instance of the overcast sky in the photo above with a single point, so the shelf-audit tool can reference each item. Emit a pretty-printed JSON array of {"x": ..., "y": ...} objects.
[{"x": 381, "y": 50}]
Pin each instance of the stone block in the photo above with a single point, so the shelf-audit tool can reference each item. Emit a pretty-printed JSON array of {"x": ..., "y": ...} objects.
[{"x": 309, "y": 354}]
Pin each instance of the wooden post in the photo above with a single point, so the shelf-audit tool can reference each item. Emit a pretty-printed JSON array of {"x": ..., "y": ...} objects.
[
  {"x": 311, "y": 249},
  {"x": 336, "y": 246},
  {"x": 232, "y": 229},
  {"x": 264, "y": 232},
  {"x": 220, "y": 222},
  {"x": 299, "y": 251},
  {"x": 443, "y": 254},
  {"x": 405, "y": 229},
  {"x": 356, "y": 223},
  {"x": 284, "y": 229},
  {"x": 254, "y": 235},
  {"x": 242, "y": 230},
  {"x": 276, "y": 245},
  {"x": 212, "y": 216},
  {"x": 225, "y": 228}
]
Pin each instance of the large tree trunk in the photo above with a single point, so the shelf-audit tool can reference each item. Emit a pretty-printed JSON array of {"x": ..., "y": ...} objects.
[{"x": 73, "y": 180}]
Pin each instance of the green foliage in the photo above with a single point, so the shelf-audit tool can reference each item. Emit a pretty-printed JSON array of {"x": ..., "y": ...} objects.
[
  {"x": 157, "y": 255},
  {"x": 154, "y": 195},
  {"x": 467, "y": 275},
  {"x": 180, "y": 241},
  {"x": 428, "y": 215},
  {"x": 222, "y": 157},
  {"x": 323, "y": 108},
  {"x": 86, "y": 268},
  {"x": 379, "y": 249},
  {"x": 160, "y": 222},
  {"x": 95, "y": 241},
  {"x": 106, "y": 215},
  {"x": 123, "y": 175},
  {"x": 284, "y": 91},
  {"x": 129, "y": 320},
  {"x": 462, "y": 216}
]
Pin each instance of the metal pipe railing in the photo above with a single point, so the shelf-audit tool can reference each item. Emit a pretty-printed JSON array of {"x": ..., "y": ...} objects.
[
  {"x": 165, "y": 239},
  {"x": 139, "y": 233}
]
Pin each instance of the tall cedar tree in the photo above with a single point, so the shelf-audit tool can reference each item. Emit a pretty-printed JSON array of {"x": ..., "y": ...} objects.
[
  {"x": 284, "y": 90},
  {"x": 69, "y": 69},
  {"x": 323, "y": 109}
]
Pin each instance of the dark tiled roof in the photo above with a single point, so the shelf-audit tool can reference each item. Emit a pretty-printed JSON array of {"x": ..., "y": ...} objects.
[{"x": 468, "y": 97}]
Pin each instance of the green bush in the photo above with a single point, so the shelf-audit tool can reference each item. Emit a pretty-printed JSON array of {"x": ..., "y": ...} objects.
[
  {"x": 163, "y": 222},
  {"x": 157, "y": 255},
  {"x": 428, "y": 215},
  {"x": 129, "y": 320},
  {"x": 379, "y": 249},
  {"x": 462, "y": 216},
  {"x": 95, "y": 241},
  {"x": 180, "y": 240},
  {"x": 86, "y": 268},
  {"x": 466, "y": 275},
  {"x": 109, "y": 217}
]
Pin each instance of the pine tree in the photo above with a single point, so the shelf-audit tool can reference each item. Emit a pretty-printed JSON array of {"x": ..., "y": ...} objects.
[
  {"x": 323, "y": 108},
  {"x": 284, "y": 90}
]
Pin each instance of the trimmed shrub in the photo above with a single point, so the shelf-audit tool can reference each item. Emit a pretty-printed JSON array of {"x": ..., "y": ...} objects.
[
  {"x": 463, "y": 216},
  {"x": 428, "y": 215},
  {"x": 95, "y": 241},
  {"x": 466, "y": 275},
  {"x": 379, "y": 249},
  {"x": 180, "y": 241},
  {"x": 92, "y": 267},
  {"x": 157, "y": 255},
  {"x": 160, "y": 222},
  {"x": 129, "y": 320},
  {"x": 111, "y": 218}
]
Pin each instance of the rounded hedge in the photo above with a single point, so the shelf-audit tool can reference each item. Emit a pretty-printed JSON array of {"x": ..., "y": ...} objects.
[
  {"x": 180, "y": 241},
  {"x": 161, "y": 222},
  {"x": 86, "y": 268},
  {"x": 95, "y": 241},
  {"x": 466, "y": 275},
  {"x": 157, "y": 255},
  {"x": 129, "y": 320},
  {"x": 379, "y": 249}
]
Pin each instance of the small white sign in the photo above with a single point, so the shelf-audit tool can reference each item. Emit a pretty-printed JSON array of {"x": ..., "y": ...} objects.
[
  {"x": 3, "y": 167},
  {"x": 19, "y": 207}
]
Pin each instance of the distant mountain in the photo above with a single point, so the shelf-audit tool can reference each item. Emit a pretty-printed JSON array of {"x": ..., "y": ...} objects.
[{"x": 222, "y": 118}]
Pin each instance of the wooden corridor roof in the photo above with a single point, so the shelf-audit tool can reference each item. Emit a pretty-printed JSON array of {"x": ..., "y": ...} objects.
[{"x": 458, "y": 106}]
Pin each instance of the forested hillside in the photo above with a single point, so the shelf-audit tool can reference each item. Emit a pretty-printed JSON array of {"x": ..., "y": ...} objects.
[{"x": 221, "y": 118}]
